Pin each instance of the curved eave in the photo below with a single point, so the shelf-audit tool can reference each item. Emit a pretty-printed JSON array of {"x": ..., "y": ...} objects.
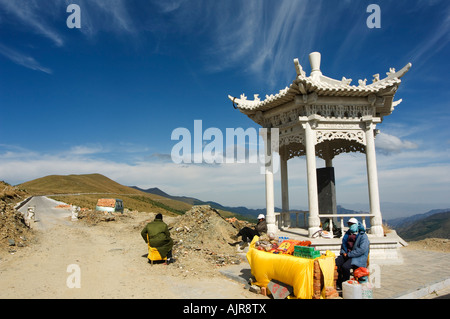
[{"x": 323, "y": 86}]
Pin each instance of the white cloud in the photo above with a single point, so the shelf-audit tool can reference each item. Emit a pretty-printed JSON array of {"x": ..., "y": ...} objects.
[
  {"x": 86, "y": 149},
  {"x": 223, "y": 183},
  {"x": 406, "y": 177},
  {"x": 387, "y": 144}
]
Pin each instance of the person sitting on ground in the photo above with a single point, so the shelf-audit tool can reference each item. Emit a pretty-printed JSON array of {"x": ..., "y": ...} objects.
[
  {"x": 354, "y": 251},
  {"x": 248, "y": 233},
  {"x": 159, "y": 237}
]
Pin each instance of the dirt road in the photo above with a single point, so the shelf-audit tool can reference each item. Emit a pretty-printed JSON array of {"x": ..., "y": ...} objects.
[{"x": 107, "y": 260}]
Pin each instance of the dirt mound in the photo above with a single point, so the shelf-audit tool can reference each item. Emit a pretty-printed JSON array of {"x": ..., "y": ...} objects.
[
  {"x": 13, "y": 231},
  {"x": 203, "y": 234}
]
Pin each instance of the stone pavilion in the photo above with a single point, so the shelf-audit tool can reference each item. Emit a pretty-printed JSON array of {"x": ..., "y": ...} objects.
[{"x": 318, "y": 116}]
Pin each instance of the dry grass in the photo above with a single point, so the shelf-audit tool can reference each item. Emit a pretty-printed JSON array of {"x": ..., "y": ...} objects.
[{"x": 85, "y": 190}]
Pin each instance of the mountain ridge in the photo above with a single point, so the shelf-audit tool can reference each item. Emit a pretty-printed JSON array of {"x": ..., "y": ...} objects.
[
  {"x": 405, "y": 226},
  {"x": 413, "y": 227},
  {"x": 241, "y": 210},
  {"x": 84, "y": 189},
  {"x": 436, "y": 225}
]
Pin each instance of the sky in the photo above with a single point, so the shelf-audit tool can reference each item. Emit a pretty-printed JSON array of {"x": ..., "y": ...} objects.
[{"x": 107, "y": 97}]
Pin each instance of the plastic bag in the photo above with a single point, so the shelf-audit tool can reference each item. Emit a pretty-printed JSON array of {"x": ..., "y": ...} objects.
[{"x": 361, "y": 272}]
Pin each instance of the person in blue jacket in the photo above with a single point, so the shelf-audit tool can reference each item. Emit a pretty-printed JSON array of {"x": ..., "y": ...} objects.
[{"x": 354, "y": 251}]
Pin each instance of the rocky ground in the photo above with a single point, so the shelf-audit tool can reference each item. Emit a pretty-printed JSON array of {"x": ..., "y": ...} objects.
[
  {"x": 111, "y": 256},
  {"x": 201, "y": 237},
  {"x": 14, "y": 233}
]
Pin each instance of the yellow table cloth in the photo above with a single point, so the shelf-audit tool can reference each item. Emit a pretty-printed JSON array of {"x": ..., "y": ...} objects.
[{"x": 294, "y": 271}]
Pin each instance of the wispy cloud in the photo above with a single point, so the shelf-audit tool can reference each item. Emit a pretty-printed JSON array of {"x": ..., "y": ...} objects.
[
  {"x": 96, "y": 16},
  {"x": 438, "y": 39},
  {"x": 258, "y": 37},
  {"x": 23, "y": 60},
  {"x": 264, "y": 37},
  {"x": 169, "y": 5},
  {"x": 32, "y": 14},
  {"x": 47, "y": 20},
  {"x": 106, "y": 16}
]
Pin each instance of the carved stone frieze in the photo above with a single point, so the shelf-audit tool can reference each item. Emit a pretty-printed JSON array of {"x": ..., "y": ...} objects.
[
  {"x": 328, "y": 149},
  {"x": 286, "y": 118},
  {"x": 292, "y": 138},
  {"x": 340, "y": 111},
  {"x": 349, "y": 135},
  {"x": 331, "y": 148}
]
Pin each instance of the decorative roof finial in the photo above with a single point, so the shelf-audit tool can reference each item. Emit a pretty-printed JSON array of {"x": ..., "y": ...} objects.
[{"x": 314, "y": 60}]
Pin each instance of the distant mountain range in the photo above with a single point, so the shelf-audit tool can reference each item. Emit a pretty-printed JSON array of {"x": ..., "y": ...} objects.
[
  {"x": 435, "y": 223},
  {"x": 86, "y": 189},
  {"x": 240, "y": 210}
]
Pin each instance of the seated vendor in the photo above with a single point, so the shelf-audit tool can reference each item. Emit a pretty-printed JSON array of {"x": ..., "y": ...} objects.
[
  {"x": 354, "y": 251},
  {"x": 248, "y": 233}
]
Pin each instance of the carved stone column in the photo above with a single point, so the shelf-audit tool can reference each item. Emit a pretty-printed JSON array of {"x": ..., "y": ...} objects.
[
  {"x": 268, "y": 173},
  {"x": 313, "y": 200},
  {"x": 372, "y": 177}
]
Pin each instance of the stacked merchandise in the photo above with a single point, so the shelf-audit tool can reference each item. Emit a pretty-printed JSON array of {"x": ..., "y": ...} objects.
[
  {"x": 288, "y": 246},
  {"x": 306, "y": 252},
  {"x": 282, "y": 239}
]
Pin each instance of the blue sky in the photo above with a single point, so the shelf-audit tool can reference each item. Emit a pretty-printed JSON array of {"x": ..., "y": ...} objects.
[{"x": 106, "y": 97}]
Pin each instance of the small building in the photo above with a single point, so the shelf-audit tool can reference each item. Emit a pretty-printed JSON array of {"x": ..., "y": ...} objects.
[{"x": 111, "y": 205}]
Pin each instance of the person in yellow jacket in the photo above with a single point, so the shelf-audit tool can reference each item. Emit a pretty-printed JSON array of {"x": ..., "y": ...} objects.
[{"x": 159, "y": 237}]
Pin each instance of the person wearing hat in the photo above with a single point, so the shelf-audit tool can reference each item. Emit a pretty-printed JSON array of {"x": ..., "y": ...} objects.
[
  {"x": 248, "y": 233},
  {"x": 159, "y": 237},
  {"x": 354, "y": 250}
]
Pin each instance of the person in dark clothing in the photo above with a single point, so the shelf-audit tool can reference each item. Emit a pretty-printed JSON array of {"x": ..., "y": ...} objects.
[
  {"x": 159, "y": 237},
  {"x": 354, "y": 251},
  {"x": 248, "y": 233}
]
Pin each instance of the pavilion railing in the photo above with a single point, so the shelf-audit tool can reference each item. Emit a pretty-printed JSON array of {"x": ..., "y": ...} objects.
[
  {"x": 340, "y": 217},
  {"x": 278, "y": 218}
]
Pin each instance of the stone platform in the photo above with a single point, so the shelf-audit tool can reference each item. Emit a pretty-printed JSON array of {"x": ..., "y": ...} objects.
[{"x": 383, "y": 250}]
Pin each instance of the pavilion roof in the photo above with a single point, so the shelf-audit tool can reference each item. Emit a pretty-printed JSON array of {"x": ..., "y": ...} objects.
[{"x": 322, "y": 86}]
